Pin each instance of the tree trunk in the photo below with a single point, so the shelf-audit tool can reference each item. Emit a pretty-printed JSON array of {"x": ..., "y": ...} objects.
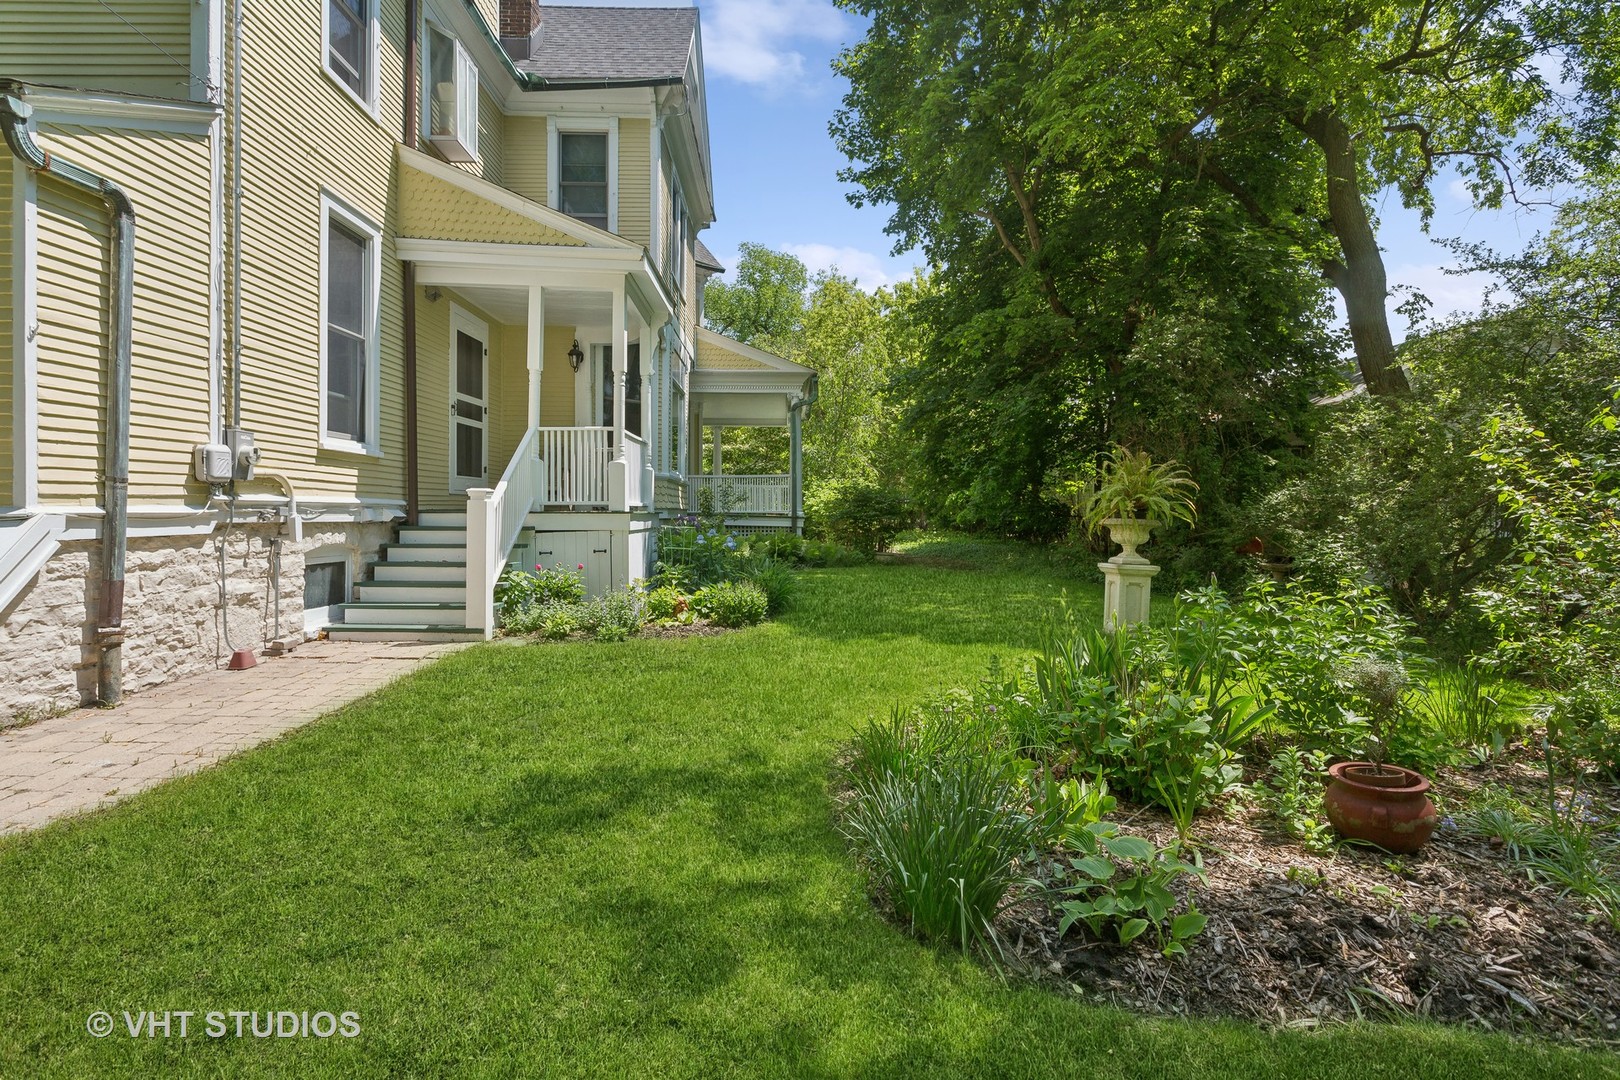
[{"x": 1360, "y": 278}]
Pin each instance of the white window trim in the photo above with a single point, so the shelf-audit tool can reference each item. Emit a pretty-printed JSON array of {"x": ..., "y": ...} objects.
[
  {"x": 610, "y": 125},
  {"x": 316, "y": 618},
  {"x": 368, "y": 100},
  {"x": 464, "y": 63},
  {"x": 334, "y": 207},
  {"x": 464, "y": 320}
]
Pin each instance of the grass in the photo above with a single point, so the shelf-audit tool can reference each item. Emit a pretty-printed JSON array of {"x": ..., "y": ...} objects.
[{"x": 593, "y": 860}]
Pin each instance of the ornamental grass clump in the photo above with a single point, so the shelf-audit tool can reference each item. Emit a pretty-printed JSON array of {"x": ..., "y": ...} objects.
[{"x": 944, "y": 844}]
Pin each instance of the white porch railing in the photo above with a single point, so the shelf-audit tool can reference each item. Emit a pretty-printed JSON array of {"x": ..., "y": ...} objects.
[
  {"x": 635, "y": 459},
  {"x": 495, "y": 517},
  {"x": 575, "y": 465},
  {"x": 760, "y": 494}
]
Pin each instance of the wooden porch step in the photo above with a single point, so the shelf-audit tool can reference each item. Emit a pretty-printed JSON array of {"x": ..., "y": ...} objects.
[
  {"x": 382, "y": 572},
  {"x": 401, "y": 632},
  {"x": 414, "y": 613}
]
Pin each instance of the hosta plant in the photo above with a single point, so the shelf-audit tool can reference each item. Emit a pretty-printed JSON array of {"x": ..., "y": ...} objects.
[{"x": 1122, "y": 884}]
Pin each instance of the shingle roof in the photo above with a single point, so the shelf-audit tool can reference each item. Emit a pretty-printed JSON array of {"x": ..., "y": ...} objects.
[
  {"x": 706, "y": 259},
  {"x": 593, "y": 43}
]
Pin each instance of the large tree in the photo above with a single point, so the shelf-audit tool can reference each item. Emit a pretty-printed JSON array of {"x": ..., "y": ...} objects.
[{"x": 1298, "y": 113}]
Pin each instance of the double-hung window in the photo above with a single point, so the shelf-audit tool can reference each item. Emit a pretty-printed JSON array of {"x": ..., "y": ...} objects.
[
  {"x": 350, "y": 47},
  {"x": 351, "y": 258},
  {"x": 582, "y": 176},
  {"x": 452, "y": 93}
]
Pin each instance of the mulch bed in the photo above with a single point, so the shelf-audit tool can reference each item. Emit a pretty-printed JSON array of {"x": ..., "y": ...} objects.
[{"x": 1456, "y": 933}]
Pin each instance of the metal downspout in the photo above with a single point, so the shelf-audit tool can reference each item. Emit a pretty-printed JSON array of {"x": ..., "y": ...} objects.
[
  {"x": 109, "y": 637},
  {"x": 412, "y": 139}
]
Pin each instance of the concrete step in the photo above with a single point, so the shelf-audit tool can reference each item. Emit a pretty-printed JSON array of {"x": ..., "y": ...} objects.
[
  {"x": 402, "y": 553},
  {"x": 420, "y": 571},
  {"x": 425, "y": 613},
  {"x": 413, "y": 592},
  {"x": 432, "y": 534},
  {"x": 401, "y": 632}
]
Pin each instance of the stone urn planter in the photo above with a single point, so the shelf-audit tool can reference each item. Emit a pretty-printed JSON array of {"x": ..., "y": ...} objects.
[
  {"x": 1129, "y": 534},
  {"x": 1389, "y": 808}
]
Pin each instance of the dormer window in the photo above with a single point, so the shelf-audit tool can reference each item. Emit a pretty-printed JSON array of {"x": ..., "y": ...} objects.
[
  {"x": 582, "y": 176},
  {"x": 452, "y": 93}
]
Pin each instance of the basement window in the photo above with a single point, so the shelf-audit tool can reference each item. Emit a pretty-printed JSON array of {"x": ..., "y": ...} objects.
[
  {"x": 326, "y": 590},
  {"x": 452, "y": 93}
]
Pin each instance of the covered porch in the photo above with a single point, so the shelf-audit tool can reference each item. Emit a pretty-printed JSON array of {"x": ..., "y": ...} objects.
[{"x": 739, "y": 386}]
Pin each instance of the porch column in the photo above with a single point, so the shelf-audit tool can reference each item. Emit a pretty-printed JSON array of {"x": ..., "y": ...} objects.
[
  {"x": 651, "y": 415},
  {"x": 718, "y": 434},
  {"x": 796, "y": 468},
  {"x": 536, "y": 358},
  {"x": 619, "y": 467},
  {"x": 536, "y": 351}
]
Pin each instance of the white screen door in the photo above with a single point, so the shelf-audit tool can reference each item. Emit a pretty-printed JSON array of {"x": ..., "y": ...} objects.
[{"x": 469, "y": 402}]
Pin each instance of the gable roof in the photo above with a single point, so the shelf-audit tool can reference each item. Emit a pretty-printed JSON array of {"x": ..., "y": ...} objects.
[
  {"x": 717, "y": 352},
  {"x": 706, "y": 259},
  {"x": 586, "y": 44}
]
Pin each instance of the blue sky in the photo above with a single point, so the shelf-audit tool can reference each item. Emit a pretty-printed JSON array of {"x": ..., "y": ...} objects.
[{"x": 772, "y": 93}]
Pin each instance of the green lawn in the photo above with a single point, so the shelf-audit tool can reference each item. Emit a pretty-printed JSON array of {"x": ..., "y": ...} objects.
[{"x": 592, "y": 860}]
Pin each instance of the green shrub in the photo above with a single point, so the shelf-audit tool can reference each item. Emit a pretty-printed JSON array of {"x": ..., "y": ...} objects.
[
  {"x": 863, "y": 516},
  {"x": 699, "y": 555},
  {"x": 732, "y": 603},
  {"x": 783, "y": 546},
  {"x": 942, "y": 845},
  {"x": 1095, "y": 890},
  {"x": 668, "y": 604},
  {"x": 612, "y": 617},
  {"x": 520, "y": 593},
  {"x": 557, "y": 621}
]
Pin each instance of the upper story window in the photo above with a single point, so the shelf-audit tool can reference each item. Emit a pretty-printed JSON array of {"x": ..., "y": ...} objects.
[
  {"x": 350, "y": 263},
  {"x": 680, "y": 236},
  {"x": 452, "y": 92},
  {"x": 350, "y": 47},
  {"x": 582, "y": 176}
]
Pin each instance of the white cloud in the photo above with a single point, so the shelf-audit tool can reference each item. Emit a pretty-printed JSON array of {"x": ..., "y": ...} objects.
[
  {"x": 753, "y": 41},
  {"x": 870, "y": 271}
]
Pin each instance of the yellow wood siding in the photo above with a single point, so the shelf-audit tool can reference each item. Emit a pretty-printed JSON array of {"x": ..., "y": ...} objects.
[
  {"x": 434, "y": 209},
  {"x": 557, "y": 379},
  {"x": 8, "y": 296},
  {"x": 304, "y": 134},
  {"x": 635, "y": 180},
  {"x": 167, "y": 178},
  {"x": 137, "y": 46},
  {"x": 524, "y": 157},
  {"x": 491, "y": 11}
]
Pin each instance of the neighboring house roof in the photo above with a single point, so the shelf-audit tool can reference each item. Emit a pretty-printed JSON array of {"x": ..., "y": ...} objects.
[
  {"x": 706, "y": 259},
  {"x": 592, "y": 43}
]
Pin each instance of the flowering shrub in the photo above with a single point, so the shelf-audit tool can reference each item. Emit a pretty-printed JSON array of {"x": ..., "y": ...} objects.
[
  {"x": 520, "y": 590},
  {"x": 706, "y": 555},
  {"x": 668, "y": 604}
]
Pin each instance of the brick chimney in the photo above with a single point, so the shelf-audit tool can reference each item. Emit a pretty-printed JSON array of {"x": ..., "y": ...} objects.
[{"x": 520, "y": 28}]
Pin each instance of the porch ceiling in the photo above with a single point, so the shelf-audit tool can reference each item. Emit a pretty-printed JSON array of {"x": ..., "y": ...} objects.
[{"x": 564, "y": 307}]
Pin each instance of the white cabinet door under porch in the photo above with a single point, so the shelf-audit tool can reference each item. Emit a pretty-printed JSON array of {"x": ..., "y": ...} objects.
[{"x": 593, "y": 549}]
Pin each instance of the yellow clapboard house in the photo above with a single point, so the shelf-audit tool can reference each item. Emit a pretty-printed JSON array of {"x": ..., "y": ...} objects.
[{"x": 318, "y": 314}]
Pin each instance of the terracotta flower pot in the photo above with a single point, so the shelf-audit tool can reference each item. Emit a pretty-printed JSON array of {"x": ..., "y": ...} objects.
[{"x": 1391, "y": 809}]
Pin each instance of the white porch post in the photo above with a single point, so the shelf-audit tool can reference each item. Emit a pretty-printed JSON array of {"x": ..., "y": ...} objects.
[
  {"x": 649, "y": 415},
  {"x": 481, "y": 569},
  {"x": 718, "y": 433},
  {"x": 536, "y": 364},
  {"x": 618, "y": 468},
  {"x": 796, "y": 468},
  {"x": 536, "y": 351}
]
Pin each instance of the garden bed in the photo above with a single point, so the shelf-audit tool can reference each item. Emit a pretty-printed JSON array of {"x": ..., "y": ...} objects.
[{"x": 1457, "y": 933}]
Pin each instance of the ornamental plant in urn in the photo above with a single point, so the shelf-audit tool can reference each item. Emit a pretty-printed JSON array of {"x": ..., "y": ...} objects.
[
  {"x": 1133, "y": 496},
  {"x": 1370, "y": 800}
]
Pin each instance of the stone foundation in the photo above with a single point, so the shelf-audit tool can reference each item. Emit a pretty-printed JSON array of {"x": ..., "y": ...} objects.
[{"x": 175, "y": 623}]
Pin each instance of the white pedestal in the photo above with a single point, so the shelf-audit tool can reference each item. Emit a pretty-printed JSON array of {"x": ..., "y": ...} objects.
[{"x": 1126, "y": 589}]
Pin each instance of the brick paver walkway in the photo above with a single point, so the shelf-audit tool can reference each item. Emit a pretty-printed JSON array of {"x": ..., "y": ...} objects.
[{"x": 91, "y": 757}]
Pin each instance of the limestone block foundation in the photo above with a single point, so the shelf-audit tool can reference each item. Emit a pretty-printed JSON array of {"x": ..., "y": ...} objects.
[{"x": 178, "y": 608}]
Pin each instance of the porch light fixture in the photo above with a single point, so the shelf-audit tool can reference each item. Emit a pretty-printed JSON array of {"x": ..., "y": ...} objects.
[{"x": 576, "y": 356}]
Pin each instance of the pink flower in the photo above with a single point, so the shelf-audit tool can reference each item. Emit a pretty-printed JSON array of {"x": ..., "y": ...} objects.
[
  {"x": 581, "y": 566},
  {"x": 537, "y": 566}
]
